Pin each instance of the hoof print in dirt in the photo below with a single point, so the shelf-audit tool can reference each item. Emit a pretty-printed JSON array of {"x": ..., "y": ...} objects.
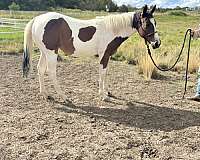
[
  {"x": 132, "y": 144},
  {"x": 148, "y": 152},
  {"x": 92, "y": 119},
  {"x": 79, "y": 158},
  {"x": 69, "y": 103},
  {"x": 110, "y": 94},
  {"x": 50, "y": 98}
]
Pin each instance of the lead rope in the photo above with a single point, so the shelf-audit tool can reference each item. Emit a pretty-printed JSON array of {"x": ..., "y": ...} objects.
[
  {"x": 187, "y": 65},
  {"x": 168, "y": 69}
]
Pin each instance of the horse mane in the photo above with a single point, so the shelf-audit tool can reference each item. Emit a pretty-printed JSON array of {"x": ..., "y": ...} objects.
[{"x": 119, "y": 21}]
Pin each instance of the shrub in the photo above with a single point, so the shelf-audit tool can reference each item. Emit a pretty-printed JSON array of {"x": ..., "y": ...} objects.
[
  {"x": 177, "y": 13},
  {"x": 123, "y": 8}
]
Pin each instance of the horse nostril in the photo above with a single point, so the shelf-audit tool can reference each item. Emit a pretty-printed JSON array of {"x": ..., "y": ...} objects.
[{"x": 156, "y": 44}]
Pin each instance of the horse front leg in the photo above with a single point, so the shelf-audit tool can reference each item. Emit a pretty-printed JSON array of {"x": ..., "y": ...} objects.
[{"x": 103, "y": 67}]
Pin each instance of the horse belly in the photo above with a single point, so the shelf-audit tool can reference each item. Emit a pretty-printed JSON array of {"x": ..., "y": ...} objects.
[{"x": 85, "y": 48}]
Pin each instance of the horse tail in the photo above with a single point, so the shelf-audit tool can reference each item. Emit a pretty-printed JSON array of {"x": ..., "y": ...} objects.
[{"x": 28, "y": 46}]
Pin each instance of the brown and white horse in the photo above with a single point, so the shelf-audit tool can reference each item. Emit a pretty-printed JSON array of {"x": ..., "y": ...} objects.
[{"x": 53, "y": 31}]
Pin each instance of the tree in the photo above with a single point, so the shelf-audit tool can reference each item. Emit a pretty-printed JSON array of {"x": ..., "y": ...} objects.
[
  {"x": 178, "y": 8},
  {"x": 47, "y": 4},
  {"x": 112, "y": 6},
  {"x": 5, "y": 3},
  {"x": 68, "y": 3},
  {"x": 14, "y": 7},
  {"x": 123, "y": 8}
]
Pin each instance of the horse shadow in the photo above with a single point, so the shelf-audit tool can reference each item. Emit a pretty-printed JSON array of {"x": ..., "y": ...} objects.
[{"x": 139, "y": 114}]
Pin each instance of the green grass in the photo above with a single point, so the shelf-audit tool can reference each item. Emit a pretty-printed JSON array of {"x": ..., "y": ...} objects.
[
  {"x": 9, "y": 42},
  {"x": 15, "y": 37}
]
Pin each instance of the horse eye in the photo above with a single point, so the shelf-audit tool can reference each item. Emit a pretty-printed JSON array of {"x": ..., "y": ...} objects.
[{"x": 148, "y": 24}]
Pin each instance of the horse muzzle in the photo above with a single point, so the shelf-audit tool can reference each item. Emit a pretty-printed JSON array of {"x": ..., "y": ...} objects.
[{"x": 155, "y": 44}]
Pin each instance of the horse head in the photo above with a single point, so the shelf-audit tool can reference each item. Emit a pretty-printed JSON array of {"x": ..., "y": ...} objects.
[{"x": 145, "y": 24}]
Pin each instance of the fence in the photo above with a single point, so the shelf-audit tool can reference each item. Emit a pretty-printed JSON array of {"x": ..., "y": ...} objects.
[{"x": 11, "y": 26}]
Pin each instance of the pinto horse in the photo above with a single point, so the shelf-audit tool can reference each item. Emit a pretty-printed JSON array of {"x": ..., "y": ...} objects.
[{"x": 101, "y": 36}]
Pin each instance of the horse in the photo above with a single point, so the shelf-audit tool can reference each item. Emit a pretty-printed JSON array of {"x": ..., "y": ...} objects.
[{"x": 100, "y": 36}]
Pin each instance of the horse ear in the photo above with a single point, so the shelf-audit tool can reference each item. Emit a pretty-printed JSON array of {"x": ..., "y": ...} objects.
[
  {"x": 145, "y": 9},
  {"x": 153, "y": 9}
]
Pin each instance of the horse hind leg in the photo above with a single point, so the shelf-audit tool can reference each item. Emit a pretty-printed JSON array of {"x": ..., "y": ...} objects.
[
  {"x": 51, "y": 70},
  {"x": 42, "y": 66}
]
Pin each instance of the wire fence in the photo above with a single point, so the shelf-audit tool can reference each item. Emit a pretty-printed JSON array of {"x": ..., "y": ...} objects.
[{"x": 11, "y": 26}]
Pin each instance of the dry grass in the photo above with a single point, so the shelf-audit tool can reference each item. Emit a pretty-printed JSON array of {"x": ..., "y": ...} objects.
[
  {"x": 11, "y": 47},
  {"x": 146, "y": 67},
  {"x": 135, "y": 52},
  {"x": 166, "y": 60},
  {"x": 194, "y": 61}
]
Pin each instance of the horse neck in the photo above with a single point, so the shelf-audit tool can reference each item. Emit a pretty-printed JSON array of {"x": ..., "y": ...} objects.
[
  {"x": 125, "y": 32},
  {"x": 120, "y": 25}
]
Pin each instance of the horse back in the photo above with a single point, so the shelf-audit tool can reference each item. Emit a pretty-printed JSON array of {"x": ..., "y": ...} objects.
[{"x": 55, "y": 31}]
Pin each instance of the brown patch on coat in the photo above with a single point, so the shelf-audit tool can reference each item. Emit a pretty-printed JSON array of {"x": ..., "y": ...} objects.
[
  {"x": 111, "y": 49},
  {"x": 57, "y": 34},
  {"x": 86, "y": 34}
]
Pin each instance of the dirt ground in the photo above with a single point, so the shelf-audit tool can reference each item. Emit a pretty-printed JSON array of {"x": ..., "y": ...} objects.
[{"x": 147, "y": 120}]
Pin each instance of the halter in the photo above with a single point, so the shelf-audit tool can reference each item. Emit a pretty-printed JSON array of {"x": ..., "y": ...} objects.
[{"x": 145, "y": 36}]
